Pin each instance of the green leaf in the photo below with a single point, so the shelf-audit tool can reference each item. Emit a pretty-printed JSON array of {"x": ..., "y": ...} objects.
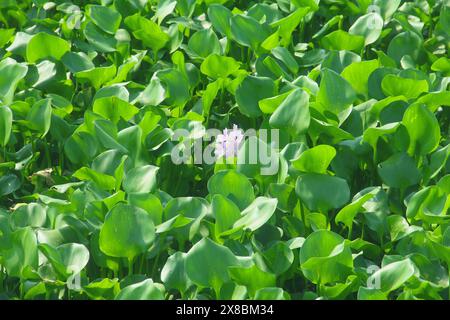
[
  {"x": 114, "y": 109},
  {"x": 325, "y": 258},
  {"x": 256, "y": 214},
  {"x": 423, "y": 129},
  {"x": 22, "y": 252},
  {"x": 347, "y": 214},
  {"x": 190, "y": 209},
  {"x": 340, "y": 290},
  {"x": 251, "y": 91},
  {"x": 145, "y": 290},
  {"x": 127, "y": 232},
  {"x": 232, "y": 185},
  {"x": 204, "y": 43},
  {"x": 6, "y": 118},
  {"x": 393, "y": 275},
  {"x": 269, "y": 105},
  {"x": 393, "y": 85},
  {"x": 207, "y": 264},
  {"x": 399, "y": 227},
  {"x": 104, "y": 289},
  {"x": 9, "y": 183},
  {"x": 315, "y": 160},
  {"x": 77, "y": 61},
  {"x": 257, "y": 159},
  {"x": 225, "y": 212},
  {"x": 271, "y": 294},
  {"x": 279, "y": 257},
  {"x": 128, "y": 67},
  {"x": 322, "y": 192},
  {"x": 106, "y": 134},
  {"x": 371, "y": 294},
  {"x": 100, "y": 40},
  {"x": 399, "y": 171},
  {"x": 102, "y": 180},
  {"x": 387, "y": 8},
  {"x": 339, "y": 60},
  {"x": 429, "y": 205},
  {"x": 40, "y": 116},
  {"x": 313, "y": 4},
  {"x": 105, "y": 18},
  {"x": 164, "y": 9},
  {"x": 434, "y": 100},
  {"x": 153, "y": 94},
  {"x": 443, "y": 65},
  {"x": 253, "y": 278},
  {"x": 286, "y": 57},
  {"x": 438, "y": 160},
  {"x": 287, "y": 25},
  {"x": 67, "y": 259},
  {"x": 293, "y": 113},
  {"x": 173, "y": 274},
  {"x": 97, "y": 76},
  {"x": 5, "y": 36},
  {"x": 176, "y": 86},
  {"x": 335, "y": 93},
  {"x": 215, "y": 66},
  {"x": 369, "y": 26},
  {"x": 342, "y": 40},
  {"x": 149, "y": 203},
  {"x": 358, "y": 73},
  {"x": 81, "y": 147},
  {"x": 220, "y": 18},
  {"x": 285, "y": 195},
  {"x": 247, "y": 31},
  {"x": 371, "y": 135},
  {"x": 44, "y": 45},
  {"x": 12, "y": 72},
  {"x": 209, "y": 95},
  {"x": 176, "y": 222},
  {"x": 141, "y": 179},
  {"x": 405, "y": 43},
  {"x": 19, "y": 45},
  {"x": 148, "y": 32},
  {"x": 32, "y": 214}
]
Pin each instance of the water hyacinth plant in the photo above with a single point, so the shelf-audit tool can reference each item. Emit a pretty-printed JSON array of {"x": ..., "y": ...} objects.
[{"x": 344, "y": 192}]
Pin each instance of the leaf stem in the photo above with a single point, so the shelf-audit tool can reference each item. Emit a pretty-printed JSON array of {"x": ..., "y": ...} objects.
[
  {"x": 47, "y": 154},
  {"x": 141, "y": 265},
  {"x": 1, "y": 279},
  {"x": 155, "y": 265},
  {"x": 130, "y": 267},
  {"x": 350, "y": 232},
  {"x": 302, "y": 213}
]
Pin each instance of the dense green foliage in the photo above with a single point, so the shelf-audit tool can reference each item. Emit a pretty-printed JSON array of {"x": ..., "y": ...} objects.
[{"x": 93, "y": 207}]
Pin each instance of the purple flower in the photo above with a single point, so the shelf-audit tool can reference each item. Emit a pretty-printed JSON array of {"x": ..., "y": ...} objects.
[{"x": 228, "y": 143}]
